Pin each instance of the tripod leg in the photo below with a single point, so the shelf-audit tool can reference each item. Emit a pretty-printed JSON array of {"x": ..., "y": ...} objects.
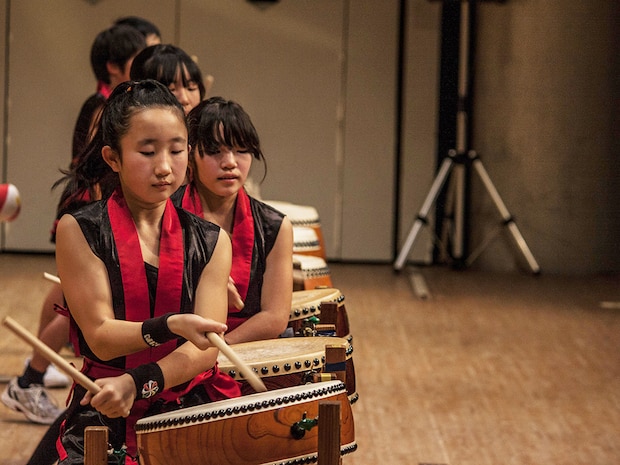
[
  {"x": 459, "y": 214},
  {"x": 421, "y": 219},
  {"x": 506, "y": 216}
]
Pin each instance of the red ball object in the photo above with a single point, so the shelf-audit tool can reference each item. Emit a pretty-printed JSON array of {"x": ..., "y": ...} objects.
[{"x": 10, "y": 202}]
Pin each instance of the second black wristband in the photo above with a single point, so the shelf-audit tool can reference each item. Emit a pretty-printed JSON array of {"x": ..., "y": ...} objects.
[{"x": 148, "y": 378}]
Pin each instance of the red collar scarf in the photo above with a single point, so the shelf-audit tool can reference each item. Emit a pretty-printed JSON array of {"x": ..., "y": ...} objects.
[
  {"x": 242, "y": 237},
  {"x": 133, "y": 273}
]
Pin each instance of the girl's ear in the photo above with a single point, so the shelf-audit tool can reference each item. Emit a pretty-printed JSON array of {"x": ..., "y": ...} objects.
[{"x": 111, "y": 157}]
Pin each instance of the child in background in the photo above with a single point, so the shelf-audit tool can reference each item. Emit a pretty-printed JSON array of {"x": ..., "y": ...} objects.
[{"x": 175, "y": 69}]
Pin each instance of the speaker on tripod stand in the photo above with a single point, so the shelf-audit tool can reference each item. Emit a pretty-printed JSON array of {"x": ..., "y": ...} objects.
[{"x": 459, "y": 159}]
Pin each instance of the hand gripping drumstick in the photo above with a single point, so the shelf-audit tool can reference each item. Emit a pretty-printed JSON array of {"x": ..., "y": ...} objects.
[
  {"x": 251, "y": 377},
  {"x": 51, "y": 356}
]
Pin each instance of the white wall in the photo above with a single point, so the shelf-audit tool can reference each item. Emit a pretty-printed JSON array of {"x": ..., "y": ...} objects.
[
  {"x": 319, "y": 79},
  {"x": 316, "y": 76},
  {"x": 282, "y": 63},
  {"x": 49, "y": 78}
]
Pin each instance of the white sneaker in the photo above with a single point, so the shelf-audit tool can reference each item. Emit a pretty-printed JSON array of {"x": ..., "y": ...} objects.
[
  {"x": 53, "y": 377},
  {"x": 34, "y": 402}
]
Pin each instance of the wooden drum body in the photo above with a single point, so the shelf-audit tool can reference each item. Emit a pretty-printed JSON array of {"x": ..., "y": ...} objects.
[
  {"x": 327, "y": 304},
  {"x": 288, "y": 362},
  {"x": 310, "y": 272},
  {"x": 250, "y": 430}
]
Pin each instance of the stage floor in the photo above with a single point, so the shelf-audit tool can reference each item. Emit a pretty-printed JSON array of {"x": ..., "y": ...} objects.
[{"x": 490, "y": 369}]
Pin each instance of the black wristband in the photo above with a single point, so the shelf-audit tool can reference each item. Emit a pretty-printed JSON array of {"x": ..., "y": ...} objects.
[
  {"x": 155, "y": 331},
  {"x": 148, "y": 378}
]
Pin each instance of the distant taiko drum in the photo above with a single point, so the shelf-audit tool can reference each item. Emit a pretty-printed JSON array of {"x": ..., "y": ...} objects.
[{"x": 10, "y": 202}]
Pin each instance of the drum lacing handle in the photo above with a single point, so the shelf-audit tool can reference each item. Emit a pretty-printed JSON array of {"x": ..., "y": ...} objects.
[
  {"x": 299, "y": 428},
  {"x": 117, "y": 456}
]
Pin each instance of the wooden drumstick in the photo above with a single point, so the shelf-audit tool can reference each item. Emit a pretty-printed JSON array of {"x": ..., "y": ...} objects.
[
  {"x": 51, "y": 356},
  {"x": 251, "y": 377}
]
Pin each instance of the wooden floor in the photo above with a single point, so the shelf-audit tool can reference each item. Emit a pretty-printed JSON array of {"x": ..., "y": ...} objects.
[{"x": 490, "y": 369}]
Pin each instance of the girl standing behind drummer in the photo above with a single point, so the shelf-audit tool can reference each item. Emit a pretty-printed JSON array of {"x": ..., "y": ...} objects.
[
  {"x": 224, "y": 143},
  {"x": 143, "y": 280}
]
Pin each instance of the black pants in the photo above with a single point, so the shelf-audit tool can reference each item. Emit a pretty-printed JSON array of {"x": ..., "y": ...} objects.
[{"x": 45, "y": 453}]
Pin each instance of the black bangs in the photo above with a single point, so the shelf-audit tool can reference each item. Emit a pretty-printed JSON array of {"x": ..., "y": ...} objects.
[
  {"x": 169, "y": 67},
  {"x": 224, "y": 123},
  {"x": 163, "y": 63}
]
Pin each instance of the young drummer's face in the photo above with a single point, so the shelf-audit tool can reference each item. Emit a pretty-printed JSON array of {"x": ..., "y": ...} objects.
[
  {"x": 188, "y": 96},
  {"x": 223, "y": 173},
  {"x": 154, "y": 152}
]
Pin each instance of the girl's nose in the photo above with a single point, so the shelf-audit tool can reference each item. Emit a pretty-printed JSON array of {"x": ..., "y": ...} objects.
[
  {"x": 163, "y": 166},
  {"x": 182, "y": 96},
  {"x": 228, "y": 158}
]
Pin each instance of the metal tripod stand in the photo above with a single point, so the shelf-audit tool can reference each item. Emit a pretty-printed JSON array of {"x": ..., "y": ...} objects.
[
  {"x": 438, "y": 183},
  {"x": 465, "y": 10}
]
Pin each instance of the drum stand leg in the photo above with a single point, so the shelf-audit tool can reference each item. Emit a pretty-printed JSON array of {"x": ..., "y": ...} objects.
[
  {"x": 329, "y": 433},
  {"x": 96, "y": 445},
  {"x": 436, "y": 187}
]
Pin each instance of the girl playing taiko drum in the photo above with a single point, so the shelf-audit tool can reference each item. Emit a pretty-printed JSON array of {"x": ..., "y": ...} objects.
[
  {"x": 224, "y": 144},
  {"x": 144, "y": 281}
]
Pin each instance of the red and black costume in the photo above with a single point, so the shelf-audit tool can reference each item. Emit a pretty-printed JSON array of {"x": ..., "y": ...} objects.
[{"x": 254, "y": 232}]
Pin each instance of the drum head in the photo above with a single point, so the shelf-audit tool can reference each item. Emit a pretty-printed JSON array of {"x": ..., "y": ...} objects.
[
  {"x": 299, "y": 215},
  {"x": 305, "y": 239},
  {"x": 280, "y": 356},
  {"x": 308, "y": 302}
]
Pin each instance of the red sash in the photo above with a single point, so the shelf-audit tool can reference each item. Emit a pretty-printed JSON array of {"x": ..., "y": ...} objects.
[
  {"x": 133, "y": 273},
  {"x": 133, "y": 276},
  {"x": 242, "y": 241}
]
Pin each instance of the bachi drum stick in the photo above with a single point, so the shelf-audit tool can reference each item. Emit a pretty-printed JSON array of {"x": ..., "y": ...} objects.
[
  {"x": 51, "y": 356},
  {"x": 251, "y": 377}
]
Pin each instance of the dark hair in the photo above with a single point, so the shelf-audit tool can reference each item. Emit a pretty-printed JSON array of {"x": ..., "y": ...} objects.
[
  {"x": 162, "y": 62},
  {"x": 116, "y": 45},
  {"x": 144, "y": 26},
  {"x": 91, "y": 172},
  {"x": 216, "y": 121}
]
